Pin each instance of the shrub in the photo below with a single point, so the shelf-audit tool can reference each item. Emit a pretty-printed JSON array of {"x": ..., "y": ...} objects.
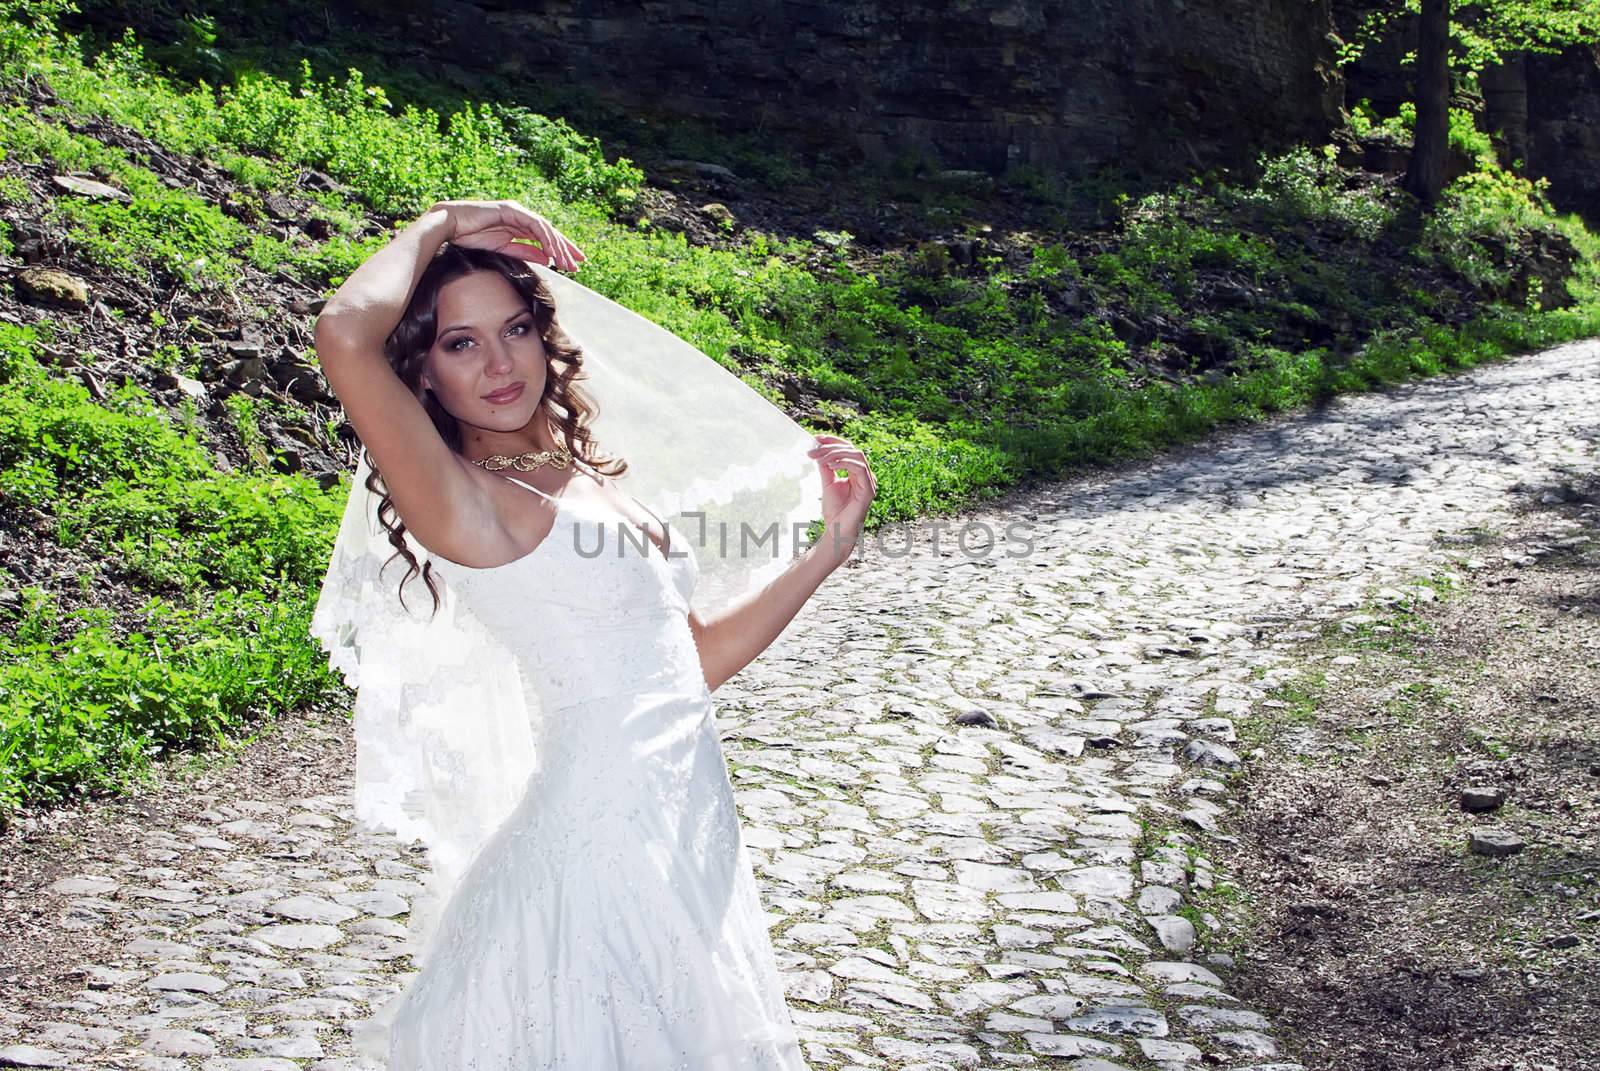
[
  {"x": 82, "y": 707},
  {"x": 57, "y": 442},
  {"x": 1301, "y": 184}
]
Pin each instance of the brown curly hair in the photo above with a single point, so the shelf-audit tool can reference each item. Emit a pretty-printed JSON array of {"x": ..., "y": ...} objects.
[{"x": 564, "y": 403}]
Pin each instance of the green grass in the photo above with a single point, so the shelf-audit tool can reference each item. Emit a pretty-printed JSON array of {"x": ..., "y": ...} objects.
[
  {"x": 960, "y": 382},
  {"x": 160, "y": 233},
  {"x": 86, "y": 706},
  {"x": 1303, "y": 695},
  {"x": 224, "y": 567}
]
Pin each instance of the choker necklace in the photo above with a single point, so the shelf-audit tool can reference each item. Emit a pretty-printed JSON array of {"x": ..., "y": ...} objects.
[{"x": 560, "y": 457}]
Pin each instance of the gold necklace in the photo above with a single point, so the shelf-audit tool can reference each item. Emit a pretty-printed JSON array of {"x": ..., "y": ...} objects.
[{"x": 560, "y": 457}]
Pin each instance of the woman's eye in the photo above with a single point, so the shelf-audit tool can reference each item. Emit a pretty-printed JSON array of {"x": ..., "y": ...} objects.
[
  {"x": 456, "y": 345},
  {"x": 523, "y": 327}
]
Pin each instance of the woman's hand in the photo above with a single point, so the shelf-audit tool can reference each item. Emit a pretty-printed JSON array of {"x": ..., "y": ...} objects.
[
  {"x": 844, "y": 499},
  {"x": 498, "y": 225}
]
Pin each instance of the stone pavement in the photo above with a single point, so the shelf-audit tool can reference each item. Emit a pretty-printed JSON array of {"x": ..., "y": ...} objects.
[{"x": 977, "y": 784}]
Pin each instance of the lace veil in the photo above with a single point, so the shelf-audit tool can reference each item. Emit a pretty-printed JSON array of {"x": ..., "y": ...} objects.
[{"x": 445, "y": 730}]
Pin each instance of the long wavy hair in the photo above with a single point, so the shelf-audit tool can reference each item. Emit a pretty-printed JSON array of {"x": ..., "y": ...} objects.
[{"x": 565, "y": 404}]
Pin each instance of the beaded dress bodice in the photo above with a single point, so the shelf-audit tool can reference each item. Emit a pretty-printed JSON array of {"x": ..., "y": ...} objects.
[{"x": 595, "y": 611}]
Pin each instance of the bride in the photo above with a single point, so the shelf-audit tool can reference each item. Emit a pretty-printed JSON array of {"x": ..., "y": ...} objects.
[{"x": 601, "y": 911}]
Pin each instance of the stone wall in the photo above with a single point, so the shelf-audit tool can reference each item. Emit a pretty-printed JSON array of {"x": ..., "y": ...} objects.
[
  {"x": 1563, "y": 132},
  {"x": 1071, "y": 85}
]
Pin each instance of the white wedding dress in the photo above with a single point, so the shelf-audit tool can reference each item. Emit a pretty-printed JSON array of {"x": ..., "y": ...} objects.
[{"x": 613, "y": 920}]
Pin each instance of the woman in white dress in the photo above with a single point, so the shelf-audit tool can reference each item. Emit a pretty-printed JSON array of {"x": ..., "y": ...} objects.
[{"x": 610, "y": 920}]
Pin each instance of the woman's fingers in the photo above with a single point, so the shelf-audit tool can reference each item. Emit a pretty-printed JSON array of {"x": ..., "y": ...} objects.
[
  {"x": 856, "y": 470},
  {"x": 562, "y": 252},
  {"x": 558, "y": 249},
  {"x": 516, "y": 247},
  {"x": 853, "y": 466},
  {"x": 835, "y": 442},
  {"x": 541, "y": 231},
  {"x": 509, "y": 227},
  {"x": 574, "y": 254},
  {"x": 550, "y": 252},
  {"x": 833, "y": 453},
  {"x": 836, "y": 448}
]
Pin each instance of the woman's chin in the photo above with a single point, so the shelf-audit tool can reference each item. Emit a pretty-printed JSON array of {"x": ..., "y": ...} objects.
[{"x": 502, "y": 419}]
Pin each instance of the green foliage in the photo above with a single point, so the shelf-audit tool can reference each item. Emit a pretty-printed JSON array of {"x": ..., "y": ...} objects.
[
  {"x": 246, "y": 424},
  {"x": 266, "y": 131},
  {"x": 18, "y": 343},
  {"x": 1484, "y": 33},
  {"x": 399, "y": 162},
  {"x": 13, "y": 191},
  {"x": 1366, "y": 122},
  {"x": 924, "y": 467},
  {"x": 1163, "y": 253},
  {"x": 1053, "y": 262},
  {"x": 573, "y": 161},
  {"x": 196, "y": 53},
  {"x": 1305, "y": 185},
  {"x": 27, "y": 138},
  {"x": 247, "y": 531},
  {"x": 56, "y": 441},
  {"x": 82, "y": 706},
  {"x": 122, "y": 480},
  {"x": 1478, "y": 218},
  {"x": 1481, "y": 216},
  {"x": 160, "y": 228},
  {"x": 172, "y": 229},
  {"x": 28, "y": 29},
  {"x": 1464, "y": 135}
]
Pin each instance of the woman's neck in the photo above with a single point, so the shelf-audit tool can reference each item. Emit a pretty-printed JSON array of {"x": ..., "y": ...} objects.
[{"x": 479, "y": 443}]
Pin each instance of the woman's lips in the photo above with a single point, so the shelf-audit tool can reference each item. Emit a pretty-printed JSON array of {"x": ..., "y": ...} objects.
[{"x": 505, "y": 394}]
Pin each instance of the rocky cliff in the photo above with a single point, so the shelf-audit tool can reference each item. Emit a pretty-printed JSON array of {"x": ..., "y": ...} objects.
[{"x": 1069, "y": 85}]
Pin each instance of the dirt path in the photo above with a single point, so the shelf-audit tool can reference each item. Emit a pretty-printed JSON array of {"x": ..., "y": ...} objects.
[{"x": 1382, "y": 939}]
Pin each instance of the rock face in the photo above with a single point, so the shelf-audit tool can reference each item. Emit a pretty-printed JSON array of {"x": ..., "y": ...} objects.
[
  {"x": 1065, "y": 85},
  {"x": 1563, "y": 134}
]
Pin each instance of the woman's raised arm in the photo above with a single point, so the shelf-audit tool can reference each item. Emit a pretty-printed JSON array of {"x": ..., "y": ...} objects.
[
  {"x": 439, "y": 496},
  {"x": 433, "y": 490}
]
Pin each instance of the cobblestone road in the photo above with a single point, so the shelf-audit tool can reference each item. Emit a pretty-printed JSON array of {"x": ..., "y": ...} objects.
[{"x": 974, "y": 784}]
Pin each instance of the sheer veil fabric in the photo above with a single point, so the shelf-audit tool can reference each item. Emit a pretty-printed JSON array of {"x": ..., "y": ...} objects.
[{"x": 447, "y": 735}]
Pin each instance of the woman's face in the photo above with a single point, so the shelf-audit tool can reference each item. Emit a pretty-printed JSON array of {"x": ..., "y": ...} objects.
[{"x": 487, "y": 363}]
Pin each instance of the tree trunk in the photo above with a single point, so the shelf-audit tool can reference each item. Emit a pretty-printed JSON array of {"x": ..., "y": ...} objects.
[{"x": 1425, "y": 174}]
